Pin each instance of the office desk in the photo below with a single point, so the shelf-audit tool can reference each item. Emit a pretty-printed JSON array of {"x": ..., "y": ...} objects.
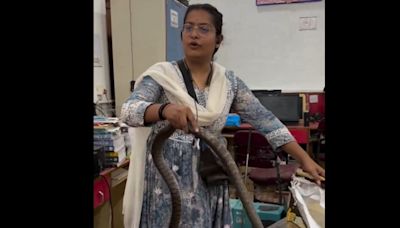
[
  {"x": 301, "y": 133},
  {"x": 103, "y": 182},
  {"x": 106, "y": 204}
]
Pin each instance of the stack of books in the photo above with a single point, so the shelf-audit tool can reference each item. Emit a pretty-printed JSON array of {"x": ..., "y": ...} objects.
[{"x": 108, "y": 136}]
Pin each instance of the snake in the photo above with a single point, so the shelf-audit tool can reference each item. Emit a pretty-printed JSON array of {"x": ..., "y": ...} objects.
[{"x": 173, "y": 185}]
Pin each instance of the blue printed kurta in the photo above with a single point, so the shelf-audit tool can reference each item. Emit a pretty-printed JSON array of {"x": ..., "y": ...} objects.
[{"x": 202, "y": 206}]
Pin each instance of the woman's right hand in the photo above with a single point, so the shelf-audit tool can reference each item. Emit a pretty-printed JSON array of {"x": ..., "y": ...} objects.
[{"x": 180, "y": 116}]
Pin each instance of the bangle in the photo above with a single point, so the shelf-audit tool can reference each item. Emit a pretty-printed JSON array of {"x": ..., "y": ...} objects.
[{"x": 161, "y": 109}]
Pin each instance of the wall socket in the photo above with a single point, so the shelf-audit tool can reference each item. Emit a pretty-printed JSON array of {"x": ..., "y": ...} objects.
[{"x": 100, "y": 89}]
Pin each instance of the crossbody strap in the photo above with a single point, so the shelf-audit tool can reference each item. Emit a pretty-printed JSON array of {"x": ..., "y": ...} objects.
[{"x": 187, "y": 77}]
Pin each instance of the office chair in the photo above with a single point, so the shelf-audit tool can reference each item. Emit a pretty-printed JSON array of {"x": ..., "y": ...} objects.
[
  {"x": 320, "y": 152},
  {"x": 253, "y": 150}
]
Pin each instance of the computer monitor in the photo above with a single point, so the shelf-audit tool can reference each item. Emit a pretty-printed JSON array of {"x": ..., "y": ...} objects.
[{"x": 287, "y": 107}]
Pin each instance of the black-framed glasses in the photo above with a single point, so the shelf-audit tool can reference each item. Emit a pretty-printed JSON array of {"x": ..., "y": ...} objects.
[{"x": 202, "y": 29}]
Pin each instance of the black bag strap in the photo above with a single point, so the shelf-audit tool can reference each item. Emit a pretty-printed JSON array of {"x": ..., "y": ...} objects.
[{"x": 187, "y": 77}]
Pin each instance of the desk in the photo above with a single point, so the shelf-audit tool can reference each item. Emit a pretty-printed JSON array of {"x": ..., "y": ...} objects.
[
  {"x": 301, "y": 133},
  {"x": 108, "y": 171},
  {"x": 104, "y": 203},
  {"x": 103, "y": 182}
]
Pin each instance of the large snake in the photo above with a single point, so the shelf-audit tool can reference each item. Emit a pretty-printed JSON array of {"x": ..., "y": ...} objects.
[{"x": 172, "y": 182}]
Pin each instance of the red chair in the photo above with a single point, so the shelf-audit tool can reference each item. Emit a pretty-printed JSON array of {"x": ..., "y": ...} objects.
[
  {"x": 253, "y": 150},
  {"x": 320, "y": 153}
]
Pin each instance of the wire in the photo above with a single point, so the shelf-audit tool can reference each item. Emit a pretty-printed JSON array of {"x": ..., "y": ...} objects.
[
  {"x": 98, "y": 108},
  {"x": 105, "y": 95},
  {"x": 197, "y": 114},
  {"x": 110, "y": 110},
  {"x": 110, "y": 200},
  {"x": 196, "y": 141}
]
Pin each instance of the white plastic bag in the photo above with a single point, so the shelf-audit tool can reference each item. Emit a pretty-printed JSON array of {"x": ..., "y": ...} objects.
[{"x": 310, "y": 201}]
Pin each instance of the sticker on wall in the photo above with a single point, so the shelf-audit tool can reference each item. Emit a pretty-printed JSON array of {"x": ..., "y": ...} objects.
[
  {"x": 174, "y": 19},
  {"x": 97, "y": 52},
  {"x": 307, "y": 23}
]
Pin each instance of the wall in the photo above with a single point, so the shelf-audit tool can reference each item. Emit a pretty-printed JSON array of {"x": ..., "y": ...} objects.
[
  {"x": 101, "y": 74},
  {"x": 264, "y": 46}
]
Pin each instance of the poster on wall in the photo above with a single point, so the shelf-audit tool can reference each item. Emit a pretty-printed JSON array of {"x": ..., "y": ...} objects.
[
  {"x": 272, "y": 2},
  {"x": 97, "y": 52}
]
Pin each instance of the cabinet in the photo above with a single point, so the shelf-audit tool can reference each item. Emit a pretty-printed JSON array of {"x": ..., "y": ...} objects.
[{"x": 142, "y": 34}]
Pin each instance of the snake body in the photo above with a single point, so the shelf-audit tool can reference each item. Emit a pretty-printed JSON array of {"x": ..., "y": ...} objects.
[{"x": 172, "y": 182}]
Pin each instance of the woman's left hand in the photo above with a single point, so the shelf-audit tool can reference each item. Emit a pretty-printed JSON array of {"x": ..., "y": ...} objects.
[
  {"x": 311, "y": 167},
  {"x": 307, "y": 163}
]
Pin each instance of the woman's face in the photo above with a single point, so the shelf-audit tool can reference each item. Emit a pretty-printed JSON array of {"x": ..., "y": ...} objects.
[{"x": 199, "y": 35}]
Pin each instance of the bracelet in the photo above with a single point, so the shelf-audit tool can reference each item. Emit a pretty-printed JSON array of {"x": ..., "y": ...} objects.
[{"x": 161, "y": 109}]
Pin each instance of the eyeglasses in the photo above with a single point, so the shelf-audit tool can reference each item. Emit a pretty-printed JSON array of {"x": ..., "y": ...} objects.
[{"x": 202, "y": 29}]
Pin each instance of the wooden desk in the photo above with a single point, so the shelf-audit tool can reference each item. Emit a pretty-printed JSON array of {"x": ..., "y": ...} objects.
[
  {"x": 108, "y": 171},
  {"x": 103, "y": 182},
  {"x": 104, "y": 203},
  {"x": 302, "y": 135}
]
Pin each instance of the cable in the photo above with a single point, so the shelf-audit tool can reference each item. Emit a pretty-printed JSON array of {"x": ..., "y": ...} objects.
[
  {"x": 109, "y": 192},
  {"x": 196, "y": 141},
  {"x": 110, "y": 110},
  {"x": 98, "y": 108},
  {"x": 197, "y": 113},
  {"x": 105, "y": 95}
]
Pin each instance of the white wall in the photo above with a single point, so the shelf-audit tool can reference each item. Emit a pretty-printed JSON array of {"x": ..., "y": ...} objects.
[
  {"x": 264, "y": 46},
  {"x": 101, "y": 75}
]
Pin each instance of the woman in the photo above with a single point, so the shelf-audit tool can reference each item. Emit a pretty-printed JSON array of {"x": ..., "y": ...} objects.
[{"x": 160, "y": 98}]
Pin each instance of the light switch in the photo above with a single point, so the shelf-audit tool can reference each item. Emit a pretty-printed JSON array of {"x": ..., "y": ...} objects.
[
  {"x": 307, "y": 23},
  {"x": 313, "y": 98}
]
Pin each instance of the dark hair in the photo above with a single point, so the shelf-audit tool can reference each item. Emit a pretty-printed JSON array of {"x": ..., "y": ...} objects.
[{"x": 216, "y": 17}]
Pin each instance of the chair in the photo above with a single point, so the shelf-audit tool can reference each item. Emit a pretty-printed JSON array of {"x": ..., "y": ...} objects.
[
  {"x": 253, "y": 150},
  {"x": 320, "y": 152}
]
